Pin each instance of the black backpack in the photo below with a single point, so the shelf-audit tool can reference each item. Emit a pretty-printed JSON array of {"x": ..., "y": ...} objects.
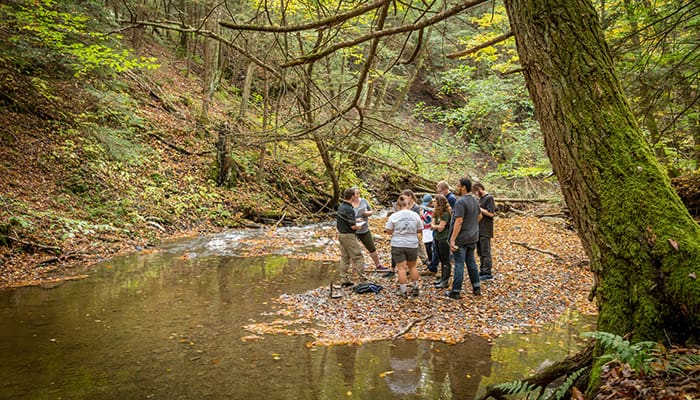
[{"x": 367, "y": 288}]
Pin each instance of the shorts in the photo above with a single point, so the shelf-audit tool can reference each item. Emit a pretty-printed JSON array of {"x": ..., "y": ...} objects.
[
  {"x": 401, "y": 254},
  {"x": 366, "y": 239}
]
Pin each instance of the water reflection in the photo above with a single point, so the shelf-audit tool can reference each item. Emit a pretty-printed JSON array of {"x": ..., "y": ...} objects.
[{"x": 166, "y": 326}]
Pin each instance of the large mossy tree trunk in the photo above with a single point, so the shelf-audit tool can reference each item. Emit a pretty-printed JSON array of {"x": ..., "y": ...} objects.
[{"x": 643, "y": 245}]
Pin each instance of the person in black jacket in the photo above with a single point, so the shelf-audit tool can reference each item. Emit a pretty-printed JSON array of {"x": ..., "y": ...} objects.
[{"x": 349, "y": 246}]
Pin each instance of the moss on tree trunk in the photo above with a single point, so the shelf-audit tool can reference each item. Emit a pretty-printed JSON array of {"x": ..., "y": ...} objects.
[{"x": 643, "y": 244}]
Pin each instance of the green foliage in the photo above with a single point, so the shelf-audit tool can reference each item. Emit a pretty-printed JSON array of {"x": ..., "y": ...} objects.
[
  {"x": 638, "y": 355},
  {"x": 568, "y": 383},
  {"x": 517, "y": 387},
  {"x": 49, "y": 32}
]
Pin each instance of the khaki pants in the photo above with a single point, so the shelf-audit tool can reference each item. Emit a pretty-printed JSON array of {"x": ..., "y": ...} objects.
[{"x": 350, "y": 250}]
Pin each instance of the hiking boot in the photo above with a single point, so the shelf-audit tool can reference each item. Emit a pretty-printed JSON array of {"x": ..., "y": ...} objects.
[
  {"x": 415, "y": 292},
  {"x": 346, "y": 284},
  {"x": 427, "y": 272},
  {"x": 477, "y": 291},
  {"x": 453, "y": 295},
  {"x": 442, "y": 285},
  {"x": 389, "y": 274}
]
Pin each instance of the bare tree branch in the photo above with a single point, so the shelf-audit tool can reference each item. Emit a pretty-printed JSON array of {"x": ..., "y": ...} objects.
[
  {"x": 386, "y": 32},
  {"x": 323, "y": 23},
  {"x": 484, "y": 45},
  {"x": 209, "y": 34}
]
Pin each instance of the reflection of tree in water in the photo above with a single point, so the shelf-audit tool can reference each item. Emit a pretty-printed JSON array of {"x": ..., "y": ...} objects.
[{"x": 461, "y": 366}]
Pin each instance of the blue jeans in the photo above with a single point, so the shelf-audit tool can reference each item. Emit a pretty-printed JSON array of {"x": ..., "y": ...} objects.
[
  {"x": 465, "y": 253},
  {"x": 435, "y": 260}
]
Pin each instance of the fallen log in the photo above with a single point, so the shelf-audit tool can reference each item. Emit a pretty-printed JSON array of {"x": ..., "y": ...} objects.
[{"x": 565, "y": 367}]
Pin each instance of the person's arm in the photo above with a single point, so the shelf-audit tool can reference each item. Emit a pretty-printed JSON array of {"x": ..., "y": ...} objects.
[
  {"x": 350, "y": 219},
  {"x": 486, "y": 212},
  {"x": 455, "y": 232},
  {"x": 439, "y": 227}
]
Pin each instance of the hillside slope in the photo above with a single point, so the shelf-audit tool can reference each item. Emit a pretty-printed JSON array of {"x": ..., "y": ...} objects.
[{"x": 94, "y": 167}]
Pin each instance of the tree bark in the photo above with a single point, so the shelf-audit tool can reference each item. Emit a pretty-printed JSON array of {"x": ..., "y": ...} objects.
[
  {"x": 211, "y": 63},
  {"x": 642, "y": 242}
]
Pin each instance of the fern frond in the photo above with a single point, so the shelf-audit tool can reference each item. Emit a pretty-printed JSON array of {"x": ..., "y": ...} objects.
[
  {"x": 516, "y": 387},
  {"x": 568, "y": 383}
]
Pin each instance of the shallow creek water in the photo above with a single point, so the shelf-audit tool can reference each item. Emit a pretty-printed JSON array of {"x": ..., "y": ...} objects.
[{"x": 170, "y": 325}]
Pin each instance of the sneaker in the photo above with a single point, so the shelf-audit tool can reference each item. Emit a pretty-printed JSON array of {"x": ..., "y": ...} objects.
[
  {"x": 477, "y": 291},
  {"x": 346, "y": 284},
  {"x": 453, "y": 295},
  {"x": 381, "y": 268},
  {"x": 415, "y": 292},
  {"x": 389, "y": 274},
  {"x": 485, "y": 277},
  {"x": 403, "y": 294}
]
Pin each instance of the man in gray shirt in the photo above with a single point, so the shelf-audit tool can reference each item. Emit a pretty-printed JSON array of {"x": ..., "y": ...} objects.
[{"x": 464, "y": 236}]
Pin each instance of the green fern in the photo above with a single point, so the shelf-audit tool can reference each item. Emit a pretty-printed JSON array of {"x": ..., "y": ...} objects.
[
  {"x": 516, "y": 387},
  {"x": 639, "y": 356},
  {"x": 568, "y": 383}
]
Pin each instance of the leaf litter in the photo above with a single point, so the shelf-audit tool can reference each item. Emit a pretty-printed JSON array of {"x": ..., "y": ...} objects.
[{"x": 530, "y": 289}]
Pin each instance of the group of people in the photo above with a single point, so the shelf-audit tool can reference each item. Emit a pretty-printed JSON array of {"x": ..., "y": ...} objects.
[{"x": 441, "y": 231}]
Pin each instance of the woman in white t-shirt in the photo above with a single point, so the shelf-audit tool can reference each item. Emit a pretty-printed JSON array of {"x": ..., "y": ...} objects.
[{"x": 404, "y": 226}]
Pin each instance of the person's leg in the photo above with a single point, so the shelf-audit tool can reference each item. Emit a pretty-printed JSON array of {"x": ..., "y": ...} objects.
[
  {"x": 445, "y": 267},
  {"x": 473, "y": 270},
  {"x": 422, "y": 253},
  {"x": 344, "y": 259},
  {"x": 485, "y": 262},
  {"x": 402, "y": 272},
  {"x": 459, "y": 257},
  {"x": 429, "y": 252},
  {"x": 355, "y": 252},
  {"x": 368, "y": 243},
  {"x": 414, "y": 277},
  {"x": 435, "y": 260}
]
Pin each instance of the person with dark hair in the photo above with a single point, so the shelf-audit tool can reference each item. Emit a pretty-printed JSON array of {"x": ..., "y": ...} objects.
[
  {"x": 441, "y": 233},
  {"x": 347, "y": 225},
  {"x": 404, "y": 227},
  {"x": 487, "y": 204},
  {"x": 464, "y": 235}
]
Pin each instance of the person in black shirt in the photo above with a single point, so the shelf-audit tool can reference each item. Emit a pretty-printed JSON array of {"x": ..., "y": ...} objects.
[
  {"x": 487, "y": 204},
  {"x": 349, "y": 246}
]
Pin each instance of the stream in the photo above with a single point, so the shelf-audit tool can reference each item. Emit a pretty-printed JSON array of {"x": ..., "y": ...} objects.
[{"x": 169, "y": 324}]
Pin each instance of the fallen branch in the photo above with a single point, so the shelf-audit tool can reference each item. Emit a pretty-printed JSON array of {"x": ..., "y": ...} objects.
[
  {"x": 34, "y": 245},
  {"x": 411, "y": 325},
  {"x": 527, "y": 246},
  {"x": 517, "y": 200},
  {"x": 60, "y": 258}
]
